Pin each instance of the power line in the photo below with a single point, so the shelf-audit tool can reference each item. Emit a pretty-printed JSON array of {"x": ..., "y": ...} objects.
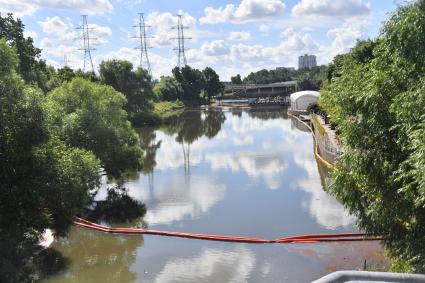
[
  {"x": 143, "y": 42},
  {"x": 180, "y": 41},
  {"x": 86, "y": 42}
]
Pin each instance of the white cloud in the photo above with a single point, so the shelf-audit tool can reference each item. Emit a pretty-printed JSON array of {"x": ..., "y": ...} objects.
[
  {"x": 29, "y": 33},
  {"x": 244, "y": 58},
  {"x": 345, "y": 37},
  {"x": 243, "y": 140},
  {"x": 264, "y": 28},
  {"x": 239, "y": 35},
  {"x": 215, "y": 48},
  {"x": 55, "y": 27},
  {"x": 162, "y": 24},
  {"x": 176, "y": 199},
  {"x": 323, "y": 207},
  {"x": 29, "y": 7},
  {"x": 265, "y": 165},
  {"x": 248, "y": 10},
  {"x": 60, "y": 40},
  {"x": 54, "y": 48},
  {"x": 209, "y": 266},
  {"x": 331, "y": 8}
]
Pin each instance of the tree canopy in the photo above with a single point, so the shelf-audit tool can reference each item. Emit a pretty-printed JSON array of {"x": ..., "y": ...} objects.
[
  {"x": 30, "y": 65},
  {"x": 195, "y": 83},
  {"x": 169, "y": 89},
  {"x": 236, "y": 79},
  {"x": 376, "y": 96},
  {"x": 135, "y": 85},
  {"x": 91, "y": 116},
  {"x": 43, "y": 181},
  {"x": 52, "y": 151},
  {"x": 308, "y": 79}
]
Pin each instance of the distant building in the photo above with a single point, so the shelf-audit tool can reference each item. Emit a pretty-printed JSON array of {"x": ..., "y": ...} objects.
[{"x": 307, "y": 61}]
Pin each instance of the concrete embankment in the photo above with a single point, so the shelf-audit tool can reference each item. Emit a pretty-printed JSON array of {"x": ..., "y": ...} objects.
[{"x": 328, "y": 145}]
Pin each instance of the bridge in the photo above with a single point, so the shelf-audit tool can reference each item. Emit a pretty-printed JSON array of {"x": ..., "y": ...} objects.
[{"x": 274, "y": 93}]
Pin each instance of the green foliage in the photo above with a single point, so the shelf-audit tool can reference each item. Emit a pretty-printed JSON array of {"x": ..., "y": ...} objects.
[
  {"x": 66, "y": 74},
  {"x": 30, "y": 66},
  {"x": 213, "y": 86},
  {"x": 198, "y": 86},
  {"x": 400, "y": 266},
  {"x": 236, "y": 79},
  {"x": 43, "y": 182},
  {"x": 69, "y": 178},
  {"x": 191, "y": 80},
  {"x": 166, "y": 109},
  {"x": 308, "y": 79},
  {"x": 117, "y": 207},
  {"x": 135, "y": 85},
  {"x": 91, "y": 116},
  {"x": 89, "y": 76},
  {"x": 168, "y": 89},
  {"x": 376, "y": 95},
  {"x": 191, "y": 125},
  {"x": 53, "y": 149}
]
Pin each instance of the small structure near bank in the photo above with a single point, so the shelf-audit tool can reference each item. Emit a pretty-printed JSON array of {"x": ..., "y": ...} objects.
[{"x": 301, "y": 100}]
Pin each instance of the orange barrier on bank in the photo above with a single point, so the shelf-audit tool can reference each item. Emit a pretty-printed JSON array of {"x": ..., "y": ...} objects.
[{"x": 313, "y": 238}]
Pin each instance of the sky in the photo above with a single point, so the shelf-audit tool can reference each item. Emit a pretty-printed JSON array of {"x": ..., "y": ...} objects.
[{"x": 232, "y": 37}]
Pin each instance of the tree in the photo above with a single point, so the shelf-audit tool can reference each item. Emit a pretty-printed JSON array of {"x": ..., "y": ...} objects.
[
  {"x": 168, "y": 89},
  {"x": 377, "y": 97},
  {"x": 236, "y": 79},
  {"x": 30, "y": 65},
  {"x": 66, "y": 74},
  {"x": 308, "y": 79},
  {"x": 213, "y": 86},
  {"x": 135, "y": 85},
  {"x": 87, "y": 75},
  {"x": 191, "y": 80},
  {"x": 43, "y": 182},
  {"x": 91, "y": 116}
]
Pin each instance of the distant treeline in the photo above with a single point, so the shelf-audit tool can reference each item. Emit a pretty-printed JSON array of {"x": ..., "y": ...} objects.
[{"x": 311, "y": 79}]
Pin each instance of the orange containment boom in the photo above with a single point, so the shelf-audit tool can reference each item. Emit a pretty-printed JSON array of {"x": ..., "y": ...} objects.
[{"x": 313, "y": 238}]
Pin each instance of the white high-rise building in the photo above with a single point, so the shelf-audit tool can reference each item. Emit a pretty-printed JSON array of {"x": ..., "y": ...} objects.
[{"x": 307, "y": 61}]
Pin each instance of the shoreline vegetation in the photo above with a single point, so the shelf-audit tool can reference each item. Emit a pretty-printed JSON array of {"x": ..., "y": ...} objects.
[{"x": 375, "y": 96}]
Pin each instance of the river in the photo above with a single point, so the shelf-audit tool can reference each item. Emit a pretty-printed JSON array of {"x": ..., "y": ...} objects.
[{"x": 236, "y": 172}]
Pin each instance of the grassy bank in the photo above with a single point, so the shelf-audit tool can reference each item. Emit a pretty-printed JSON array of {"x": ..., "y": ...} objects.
[
  {"x": 161, "y": 113},
  {"x": 168, "y": 109}
]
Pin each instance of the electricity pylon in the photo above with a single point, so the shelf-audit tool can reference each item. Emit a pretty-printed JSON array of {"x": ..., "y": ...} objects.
[
  {"x": 143, "y": 42},
  {"x": 180, "y": 41},
  {"x": 86, "y": 43}
]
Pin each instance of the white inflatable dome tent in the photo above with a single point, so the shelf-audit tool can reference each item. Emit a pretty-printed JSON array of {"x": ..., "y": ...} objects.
[{"x": 301, "y": 100}]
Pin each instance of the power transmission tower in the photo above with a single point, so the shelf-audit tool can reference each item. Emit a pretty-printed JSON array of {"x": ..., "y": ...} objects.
[
  {"x": 86, "y": 41},
  {"x": 180, "y": 40},
  {"x": 65, "y": 61},
  {"x": 143, "y": 42}
]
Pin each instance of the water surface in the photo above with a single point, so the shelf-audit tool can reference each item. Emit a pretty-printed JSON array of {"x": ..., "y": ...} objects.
[{"x": 246, "y": 173}]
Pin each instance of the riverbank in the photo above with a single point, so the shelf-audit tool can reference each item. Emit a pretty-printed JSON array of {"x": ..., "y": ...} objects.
[
  {"x": 162, "y": 112},
  {"x": 211, "y": 172}
]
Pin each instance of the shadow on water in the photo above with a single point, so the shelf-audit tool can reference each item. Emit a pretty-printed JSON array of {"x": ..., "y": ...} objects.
[
  {"x": 29, "y": 262},
  {"x": 118, "y": 207},
  {"x": 192, "y": 125},
  {"x": 98, "y": 257}
]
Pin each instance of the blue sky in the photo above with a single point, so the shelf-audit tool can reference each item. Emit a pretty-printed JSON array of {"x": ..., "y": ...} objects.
[{"x": 230, "y": 36}]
